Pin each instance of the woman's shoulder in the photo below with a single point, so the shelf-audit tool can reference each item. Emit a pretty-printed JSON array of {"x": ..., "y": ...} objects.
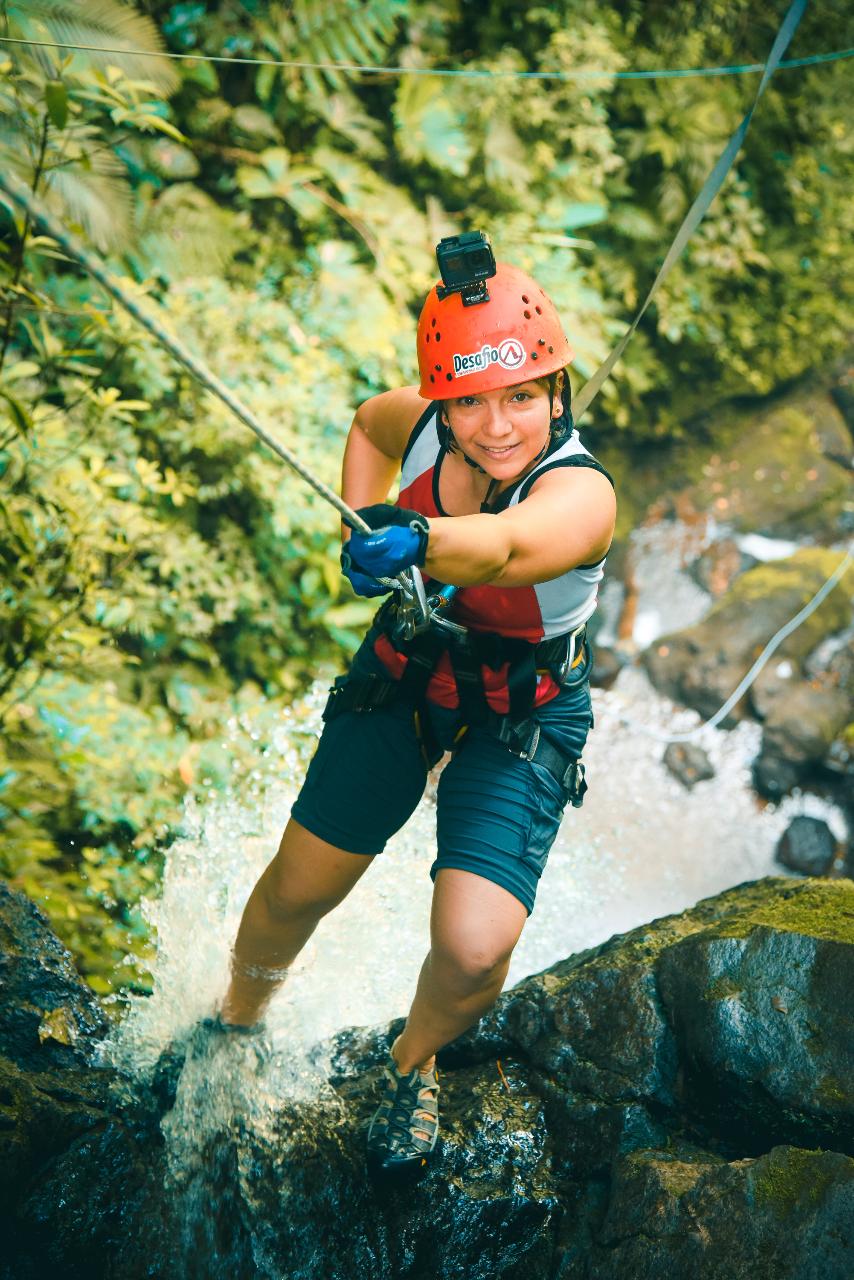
[{"x": 389, "y": 418}]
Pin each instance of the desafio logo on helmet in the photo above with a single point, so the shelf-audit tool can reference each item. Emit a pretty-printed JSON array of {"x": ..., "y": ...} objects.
[{"x": 510, "y": 354}]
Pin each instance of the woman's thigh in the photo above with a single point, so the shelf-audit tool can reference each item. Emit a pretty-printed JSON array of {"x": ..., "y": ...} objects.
[
  {"x": 497, "y": 816},
  {"x": 474, "y": 922},
  {"x": 308, "y": 875},
  {"x": 364, "y": 781}
]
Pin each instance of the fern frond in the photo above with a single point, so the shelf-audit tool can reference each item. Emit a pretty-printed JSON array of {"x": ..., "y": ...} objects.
[
  {"x": 185, "y": 233},
  {"x": 99, "y": 202},
  {"x": 344, "y": 31},
  {"x": 105, "y": 23}
]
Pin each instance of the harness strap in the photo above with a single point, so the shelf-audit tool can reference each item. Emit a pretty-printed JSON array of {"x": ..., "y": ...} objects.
[
  {"x": 527, "y": 742},
  {"x": 466, "y": 663}
]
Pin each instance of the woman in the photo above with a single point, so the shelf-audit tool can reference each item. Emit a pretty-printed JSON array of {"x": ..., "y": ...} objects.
[{"x": 499, "y": 499}]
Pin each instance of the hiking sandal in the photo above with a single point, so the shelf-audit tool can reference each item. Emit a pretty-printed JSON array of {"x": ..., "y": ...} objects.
[{"x": 405, "y": 1126}]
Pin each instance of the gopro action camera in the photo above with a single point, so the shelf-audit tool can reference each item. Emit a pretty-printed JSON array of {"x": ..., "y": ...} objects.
[{"x": 465, "y": 263}]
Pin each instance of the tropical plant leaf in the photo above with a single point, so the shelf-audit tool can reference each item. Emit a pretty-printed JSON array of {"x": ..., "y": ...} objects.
[
  {"x": 104, "y": 23},
  {"x": 430, "y": 127}
]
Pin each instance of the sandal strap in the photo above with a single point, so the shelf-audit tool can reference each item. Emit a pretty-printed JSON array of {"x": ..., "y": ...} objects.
[{"x": 407, "y": 1112}]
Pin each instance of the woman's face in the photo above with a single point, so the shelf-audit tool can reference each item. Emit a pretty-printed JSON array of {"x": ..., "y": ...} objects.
[{"x": 504, "y": 431}]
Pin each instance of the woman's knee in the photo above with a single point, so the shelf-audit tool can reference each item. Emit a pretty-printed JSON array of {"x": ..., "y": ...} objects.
[{"x": 469, "y": 966}]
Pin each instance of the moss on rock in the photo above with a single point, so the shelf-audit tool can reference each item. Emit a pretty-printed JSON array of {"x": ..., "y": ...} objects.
[{"x": 790, "y": 1178}]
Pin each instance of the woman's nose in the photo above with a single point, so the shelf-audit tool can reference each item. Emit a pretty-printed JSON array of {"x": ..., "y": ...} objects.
[{"x": 497, "y": 423}]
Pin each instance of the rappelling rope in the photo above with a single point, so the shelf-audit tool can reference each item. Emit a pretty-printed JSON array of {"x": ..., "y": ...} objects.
[
  {"x": 18, "y": 192},
  {"x": 770, "y": 648},
  {"x": 582, "y": 402}
]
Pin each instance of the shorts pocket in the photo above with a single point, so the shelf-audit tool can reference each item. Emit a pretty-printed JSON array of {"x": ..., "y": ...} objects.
[{"x": 547, "y": 802}]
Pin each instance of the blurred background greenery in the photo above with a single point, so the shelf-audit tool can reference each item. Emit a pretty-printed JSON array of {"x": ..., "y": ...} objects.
[{"x": 162, "y": 576}]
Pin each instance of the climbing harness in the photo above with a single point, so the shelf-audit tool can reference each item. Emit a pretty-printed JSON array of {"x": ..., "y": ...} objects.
[{"x": 567, "y": 658}]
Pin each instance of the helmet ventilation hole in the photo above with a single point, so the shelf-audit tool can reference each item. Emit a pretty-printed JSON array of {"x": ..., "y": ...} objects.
[
  {"x": 542, "y": 342},
  {"x": 432, "y": 377},
  {"x": 527, "y": 315},
  {"x": 438, "y": 336},
  {"x": 450, "y": 377},
  {"x": 533, "y": 355},
  {"x": 433, "y": 323},
  {"x": 551, "y": 350},
  {"x": 428, "y": 337},
  {"x": 438, "y": 368},
  {"x": 539, "y": 310},
  {"x": 525, "y": 299}
]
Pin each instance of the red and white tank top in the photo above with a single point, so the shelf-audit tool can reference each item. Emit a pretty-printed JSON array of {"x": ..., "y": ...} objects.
[{"x": 533, "y": 613}]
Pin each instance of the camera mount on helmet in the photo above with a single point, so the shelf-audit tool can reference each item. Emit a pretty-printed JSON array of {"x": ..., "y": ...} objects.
[{"x": 466, "y": 262}]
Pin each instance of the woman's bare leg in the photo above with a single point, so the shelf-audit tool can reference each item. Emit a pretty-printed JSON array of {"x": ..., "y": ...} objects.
[
  {"x": 474, "y": 926},
  {"x": 305, "y": 880}
]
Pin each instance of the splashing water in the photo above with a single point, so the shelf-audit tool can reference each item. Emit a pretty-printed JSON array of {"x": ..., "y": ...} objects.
[{"x": 641, "y": 847}]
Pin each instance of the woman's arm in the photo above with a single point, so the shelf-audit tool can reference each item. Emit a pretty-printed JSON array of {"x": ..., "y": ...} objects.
[
  {"x": 375, "y": 445},
  {"x": 567, "y": 520}
]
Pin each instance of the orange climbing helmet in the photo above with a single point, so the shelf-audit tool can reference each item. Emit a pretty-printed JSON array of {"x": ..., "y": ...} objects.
[{"x": 514, "y": 336}]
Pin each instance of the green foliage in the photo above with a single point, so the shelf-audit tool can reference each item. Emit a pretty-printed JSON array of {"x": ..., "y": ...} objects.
[{"x": 161, "y": 573}]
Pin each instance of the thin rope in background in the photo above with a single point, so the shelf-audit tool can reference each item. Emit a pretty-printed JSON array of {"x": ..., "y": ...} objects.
[
  {"x": 747, "y": 68},
  {"x": 744, "y": 684}
]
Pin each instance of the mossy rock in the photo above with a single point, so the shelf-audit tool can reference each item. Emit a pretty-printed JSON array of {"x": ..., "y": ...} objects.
[
  {"x": 701, "y": 665},
  {"x": 775, "y": 470},
  {"x": 680, "y": 1212}
]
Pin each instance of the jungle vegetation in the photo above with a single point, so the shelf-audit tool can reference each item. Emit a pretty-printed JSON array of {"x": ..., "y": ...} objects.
[{"x": 165, "y": 582}]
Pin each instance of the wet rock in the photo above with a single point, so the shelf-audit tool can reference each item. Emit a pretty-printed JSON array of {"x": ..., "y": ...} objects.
[
  {"x": 774, "y": 778},
  {"x": 807, "y": 845},
  {"x": 759, "y": 1005},
  {"x": 719, "y": 565},
  {"x": 701, "y": 665},
  {"x": 81, "y": 1169},
  {"x": 607, "y": 665},
  {"x": 48, "y": 1016},
  {"x": 681, "y": 1212},
  {"x": 649, "y": 1106},
  {"x": 779, "y": 474},
  {"x": 688, "y": 762}
]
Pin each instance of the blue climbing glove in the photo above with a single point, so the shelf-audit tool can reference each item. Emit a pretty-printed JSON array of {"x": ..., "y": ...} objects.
[
  {"x": 362, "y": 584},
  {"x": 399, "y": 540}
]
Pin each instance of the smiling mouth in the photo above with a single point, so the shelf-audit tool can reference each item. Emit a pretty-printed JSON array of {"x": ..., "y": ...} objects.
[{"x": 499, "y": 452}]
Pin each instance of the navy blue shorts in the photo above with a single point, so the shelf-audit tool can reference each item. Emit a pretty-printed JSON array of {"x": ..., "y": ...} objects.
[{"x": 497, "y": 815}]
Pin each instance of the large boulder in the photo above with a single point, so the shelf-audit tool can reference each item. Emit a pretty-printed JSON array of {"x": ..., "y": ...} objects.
[
  {"x": 81, "y": 1160},
  {"x": 702, "y": 665},
  {"x": 783, "y": 470},
  {"x": 678, "y": 1100}
]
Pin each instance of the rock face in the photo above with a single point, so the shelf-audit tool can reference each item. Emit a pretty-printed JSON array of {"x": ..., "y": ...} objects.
[
  {"x": 701, "y": 665},
  {"x": 804, "y": 700},
  {"x": 80, "y": 1150},
  {"x": 678, "y": 1100},
  {"x": 807, "y": 845}
]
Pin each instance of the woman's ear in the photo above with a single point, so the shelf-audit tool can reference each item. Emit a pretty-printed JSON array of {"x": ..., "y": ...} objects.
[{"x": 557, "y": 400}]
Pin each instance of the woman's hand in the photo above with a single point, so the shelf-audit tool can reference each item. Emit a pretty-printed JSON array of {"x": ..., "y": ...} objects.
[
  {"x": 362, "y": 583},
  {"x": 399, "y": 540}
]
